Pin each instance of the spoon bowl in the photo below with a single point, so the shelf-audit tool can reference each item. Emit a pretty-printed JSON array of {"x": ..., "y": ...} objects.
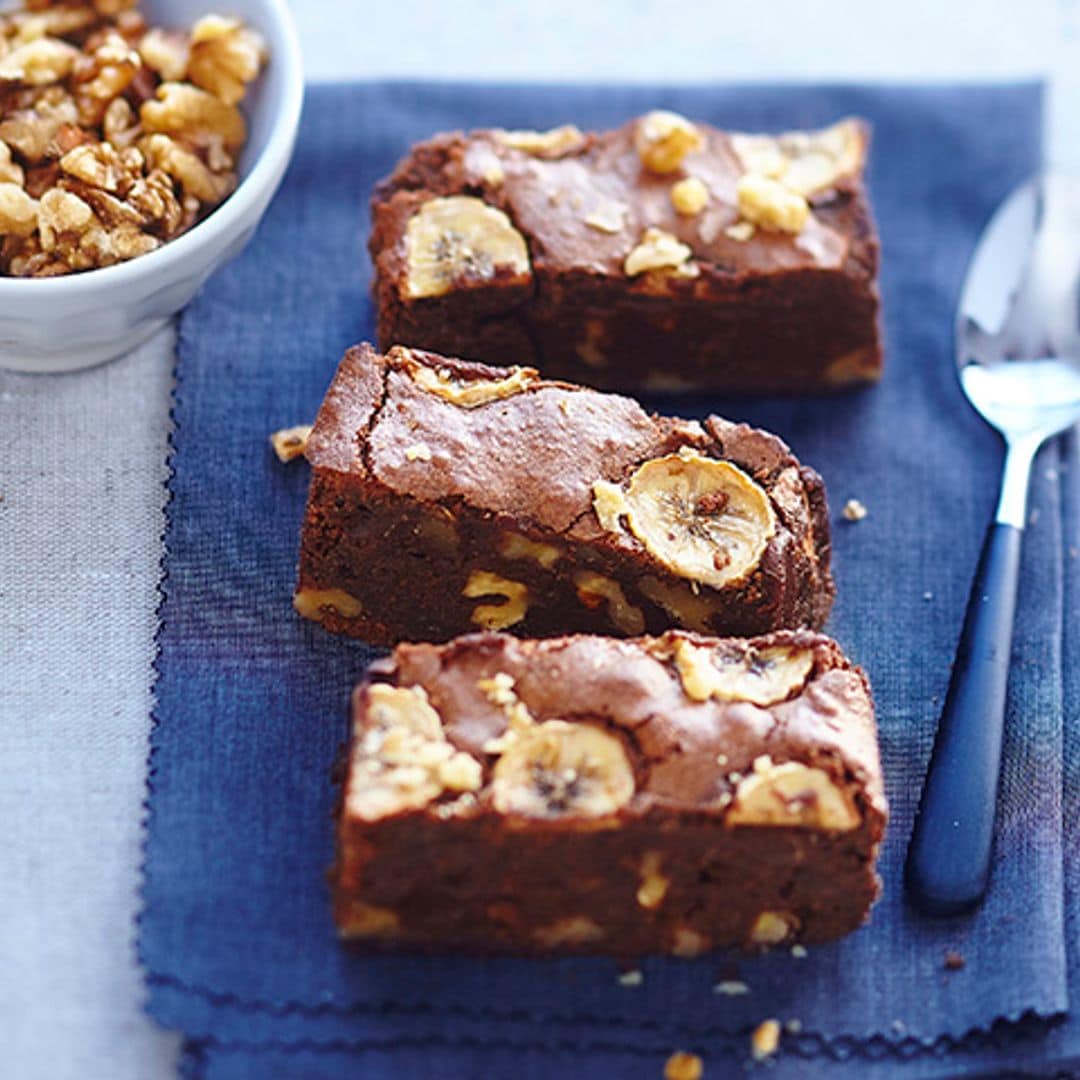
[{"x": 1025, "y": 398}]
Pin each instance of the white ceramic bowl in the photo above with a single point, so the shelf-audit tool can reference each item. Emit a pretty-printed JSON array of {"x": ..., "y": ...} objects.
[{"x": 65, "y": 323}]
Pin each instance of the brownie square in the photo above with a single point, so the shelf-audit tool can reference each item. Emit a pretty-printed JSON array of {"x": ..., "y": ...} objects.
[
  {"x": 662, "y": 255},
  {"x": 449, "y": 496},
  {"x": 587, "y": 794}
]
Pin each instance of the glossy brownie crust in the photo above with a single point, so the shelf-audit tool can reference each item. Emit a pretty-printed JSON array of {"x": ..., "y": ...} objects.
[
  {"x": 418, "y": 504},
  {"x": 772, "y": 314},
  {"x": 689, "y": 861}
]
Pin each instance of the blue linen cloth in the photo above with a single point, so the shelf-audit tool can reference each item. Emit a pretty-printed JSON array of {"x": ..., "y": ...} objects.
[
  {"x": 1034, "y": 1051},
  {"x": 235, "y": 936}
]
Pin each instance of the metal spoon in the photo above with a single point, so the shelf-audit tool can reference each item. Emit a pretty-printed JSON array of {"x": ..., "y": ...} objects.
[{"x": 1018, "y": 351}]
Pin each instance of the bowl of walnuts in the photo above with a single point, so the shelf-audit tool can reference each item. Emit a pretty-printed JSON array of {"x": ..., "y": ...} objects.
[{"x": 140, "y": 145}]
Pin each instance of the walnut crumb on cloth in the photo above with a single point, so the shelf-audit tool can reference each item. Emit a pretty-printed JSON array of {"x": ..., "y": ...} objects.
[
  {"x": 854, "y": 510},
  {"x": 290, "y": 443},
  {"x": 765, "y": 1039},
  {"x": 683, "y": 1066}
]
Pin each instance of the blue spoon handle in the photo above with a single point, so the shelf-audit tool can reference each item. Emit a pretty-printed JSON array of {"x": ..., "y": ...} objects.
[{"x": 948, "y": 864}]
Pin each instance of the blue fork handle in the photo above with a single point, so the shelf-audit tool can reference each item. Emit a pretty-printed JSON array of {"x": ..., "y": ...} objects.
[{"x": 948, "y": 863}]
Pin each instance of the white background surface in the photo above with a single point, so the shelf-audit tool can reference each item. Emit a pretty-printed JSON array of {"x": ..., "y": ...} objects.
[{"x": 82, "y": 462}]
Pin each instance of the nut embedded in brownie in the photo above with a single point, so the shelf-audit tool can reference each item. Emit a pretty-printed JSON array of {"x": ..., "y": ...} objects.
[
  {"x": 448, "y": 496},
  {"x": 671, "y": 794},
  {"x": 664, "y": 254}
]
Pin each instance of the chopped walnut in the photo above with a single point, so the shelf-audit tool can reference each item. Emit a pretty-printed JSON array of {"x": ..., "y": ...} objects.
[
  {"x": 39, "y": 62},
  {"x": 31, "y": 132},
  {"x": 105, "y": 152},
  {"x": 765, "y": 1039},
  {"x": 683, "y": 1066},
  {"x": 102, "y": 77},
  {"x": 689, "y": 196},
  {"x": 573, "y": 930},
  {"x": 369, "y": 921},
  {"x": 191, "y": 173},
  {"x": 225, "y": 57},
  {"x": 659, "y": 250},
  {"x": 741, "y": 231},
  {"x": 120, "y": 126},
  {"x": 156, "y": 200},
  {"x": 314, "y": 603},
  {"x": 654, "y": 885},
  {"x": 515, "y": 546},
  {"x": 102, "y": 166},
  {"x": 548, "y": 144},
  {"x": 663, "y": 139},
  {"x": 688, "y": 943},
  {"x": 595, "y": 589},
  {"x": 499, "y": 690},
  {"x": 773, "y": 928},
  {"x": 418, "y": 452},
  {"x": 18, "y": 212},
  {"x": 808, "y": 162},
  {"x": 167, "y": 52},
  {"x": 854, "y": 510},
  {"x": 61, "y": 212},
  {"x": 770, "y": 204},
  {"x": 402, "y": 757},
  {"x": 193, "y": 114},
  {"x": 11, "y": 172},
  {"x": 514, "y": 596},
  {"x": 48, "y": 19},
  {"x": 290, "y": 443}
]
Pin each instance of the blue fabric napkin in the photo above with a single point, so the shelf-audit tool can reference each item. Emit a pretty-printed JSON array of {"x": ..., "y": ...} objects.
[
  {"x": 236, "y": 937},
  {"x": 1028, "y": 1049}
]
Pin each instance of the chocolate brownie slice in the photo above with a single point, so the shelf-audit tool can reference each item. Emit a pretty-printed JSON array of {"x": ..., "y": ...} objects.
[
  {"x": 664, "y": 254},
  {"x": 671, "y": 794},
  {"x": 449, "y": 496}
]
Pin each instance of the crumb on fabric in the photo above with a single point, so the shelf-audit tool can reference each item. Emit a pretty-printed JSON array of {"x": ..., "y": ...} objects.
[
  {"x": 683, "y": 1066},
  {"x": 854, "y": 510},
  {"x": 290, "y": 443},
  {"x": 765, "y": 1039},
  {"x": 954, "y": 960}
]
